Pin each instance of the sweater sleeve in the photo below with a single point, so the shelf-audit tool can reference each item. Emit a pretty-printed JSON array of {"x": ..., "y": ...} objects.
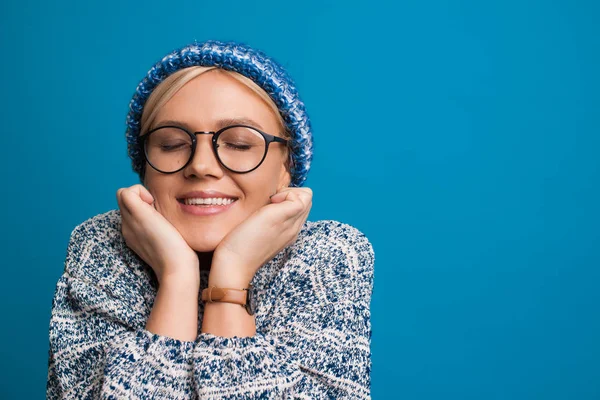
[
  {"x": 315, "y": 342},
  {"x": 99, "y": 347}
]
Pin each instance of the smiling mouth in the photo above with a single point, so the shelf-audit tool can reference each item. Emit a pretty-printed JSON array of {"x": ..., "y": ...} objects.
[{"x": 209, "y": 202}]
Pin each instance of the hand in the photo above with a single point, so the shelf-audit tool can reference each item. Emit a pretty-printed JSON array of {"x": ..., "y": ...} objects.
[
  {"x": 154, "y": 238},
  {"x": 260, "y": 237}
]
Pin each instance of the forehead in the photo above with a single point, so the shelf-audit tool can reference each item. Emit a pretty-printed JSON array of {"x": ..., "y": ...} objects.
[{"x": 212, "y": 97}]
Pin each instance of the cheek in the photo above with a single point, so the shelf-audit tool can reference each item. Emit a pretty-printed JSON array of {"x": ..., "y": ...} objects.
[
  {"x": 161, "y": 189},
  {"x": 257, "y": 189}
]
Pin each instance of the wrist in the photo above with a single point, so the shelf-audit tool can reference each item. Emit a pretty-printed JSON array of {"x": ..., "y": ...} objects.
[
  {"x": 178, "y": 281},
  {"x": 226, "y": 272},
  {"x": 175, "y": 310},
  {"x": 228, "y": 320},
  {"x": 182, "y": 267},
  {"x": 227, "y": 280}
]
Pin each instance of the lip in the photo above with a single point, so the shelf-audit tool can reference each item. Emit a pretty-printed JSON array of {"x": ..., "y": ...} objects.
[{"x": 204, "y": 210}]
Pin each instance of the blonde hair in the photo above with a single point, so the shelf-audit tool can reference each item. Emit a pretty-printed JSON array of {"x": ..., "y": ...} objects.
[{"x": 171, "y": 85}]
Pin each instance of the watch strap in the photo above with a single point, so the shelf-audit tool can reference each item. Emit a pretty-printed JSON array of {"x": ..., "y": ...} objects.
[{"x": 227, "y": 295}]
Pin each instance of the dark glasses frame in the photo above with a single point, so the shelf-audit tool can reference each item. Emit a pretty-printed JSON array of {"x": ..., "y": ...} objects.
[{"x": 268, "y": 140}]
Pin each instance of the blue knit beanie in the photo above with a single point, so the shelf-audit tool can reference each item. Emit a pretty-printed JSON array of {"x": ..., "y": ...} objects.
[{"x": 238, "y": 57}]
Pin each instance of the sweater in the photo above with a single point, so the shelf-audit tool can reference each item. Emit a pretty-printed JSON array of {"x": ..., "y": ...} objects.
[{"x": 313, "y": 328}]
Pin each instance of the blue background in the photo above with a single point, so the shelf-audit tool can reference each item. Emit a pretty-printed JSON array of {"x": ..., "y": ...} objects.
[{"x": 460, "y": 136}]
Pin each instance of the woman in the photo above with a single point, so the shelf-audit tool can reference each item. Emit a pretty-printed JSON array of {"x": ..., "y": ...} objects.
[{"x": 209, "y": 282}]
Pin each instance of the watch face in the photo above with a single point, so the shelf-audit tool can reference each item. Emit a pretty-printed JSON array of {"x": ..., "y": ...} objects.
[{"x": 250, "y": 302}]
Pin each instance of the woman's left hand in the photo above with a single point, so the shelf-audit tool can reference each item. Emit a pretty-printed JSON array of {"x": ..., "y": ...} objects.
[{"x": 260, "y": 237}]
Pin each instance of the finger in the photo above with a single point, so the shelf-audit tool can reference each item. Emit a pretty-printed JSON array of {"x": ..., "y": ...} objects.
[
  {"x": 125, "y": 214},
  {"x": 278, "y": 197},
  {"x": 306, "y": 195},
  {"x": 302, "y": 195},
  {"x": 281, "y": 195},
  {"x": 296, "y": 204},
  {"x": 143, "y": 193},
  {"x": 122, "y": 206},
  {"x": 292, "y": 206},
  {"x": 119, "y": 195},
  {"x": 278, "y": 194},
  {"x": 296, "y": 213},
  {"x": 306, "y": 190},
  {"x": 303, "y": 216},
  {"x": 131, "y": 200},
  {"x": 137, "y": 197},
  {"x": 126, "y": 200}
]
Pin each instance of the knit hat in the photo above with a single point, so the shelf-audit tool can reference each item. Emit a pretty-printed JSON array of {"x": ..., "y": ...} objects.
[{"x": 241, "y": 58}]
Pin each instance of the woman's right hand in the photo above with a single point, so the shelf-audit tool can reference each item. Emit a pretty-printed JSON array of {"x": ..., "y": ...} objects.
[{"x": 154, "y": 238}]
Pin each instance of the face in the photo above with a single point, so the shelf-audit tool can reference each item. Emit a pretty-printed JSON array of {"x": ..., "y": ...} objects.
[{"x": 202, "y": 105}]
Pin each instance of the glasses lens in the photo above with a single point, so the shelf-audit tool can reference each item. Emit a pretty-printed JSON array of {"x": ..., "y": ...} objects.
[
  {"x": 241, "y": 149},
  {"x": 168, "y": 149}
]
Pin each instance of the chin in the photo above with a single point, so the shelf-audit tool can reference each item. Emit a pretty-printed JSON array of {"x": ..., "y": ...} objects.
[
  {"x": 204, "y": 248},
  {"x": 204, "y": 244},
  {"x": 203, "y": 237}
]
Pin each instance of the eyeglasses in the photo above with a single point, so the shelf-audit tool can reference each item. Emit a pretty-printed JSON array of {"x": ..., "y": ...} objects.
[{"x": 239, "y": 148}]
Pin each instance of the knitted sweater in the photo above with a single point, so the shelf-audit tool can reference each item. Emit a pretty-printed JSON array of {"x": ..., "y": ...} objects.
[{"x": 313, "y": 328}]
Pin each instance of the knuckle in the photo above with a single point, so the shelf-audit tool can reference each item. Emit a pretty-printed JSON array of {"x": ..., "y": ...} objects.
[
  {"x": 298, "y": 207},
  {"x": 306, "y": 192}
]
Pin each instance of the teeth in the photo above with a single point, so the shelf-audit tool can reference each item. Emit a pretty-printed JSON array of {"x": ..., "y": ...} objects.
[{"x": 212, "y": 201}]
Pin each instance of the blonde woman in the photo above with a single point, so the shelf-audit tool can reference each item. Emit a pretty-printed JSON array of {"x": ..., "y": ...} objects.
[{"x": 209, "y": 281}]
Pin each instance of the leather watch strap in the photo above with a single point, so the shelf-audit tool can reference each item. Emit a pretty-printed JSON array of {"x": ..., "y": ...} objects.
[{"x": 227, "y": 295}]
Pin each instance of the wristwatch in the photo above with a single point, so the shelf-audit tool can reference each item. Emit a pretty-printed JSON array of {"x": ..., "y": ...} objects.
[{"x": 242, "y": 297}]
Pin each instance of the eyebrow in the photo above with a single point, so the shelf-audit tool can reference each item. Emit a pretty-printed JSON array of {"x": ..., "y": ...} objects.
[{"x": 219, "y": 123}]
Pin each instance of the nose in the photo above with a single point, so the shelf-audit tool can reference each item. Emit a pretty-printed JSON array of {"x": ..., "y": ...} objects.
[{"x": 205, "y": 162}]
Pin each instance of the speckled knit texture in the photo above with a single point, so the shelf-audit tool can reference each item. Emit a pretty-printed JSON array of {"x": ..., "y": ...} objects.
[
  {"x": 241, "y": 58},
  {"x": 313, "y": 324}
]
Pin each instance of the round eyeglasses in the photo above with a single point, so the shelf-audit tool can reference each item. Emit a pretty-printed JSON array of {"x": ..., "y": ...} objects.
[{"x": 239, "y": 148}]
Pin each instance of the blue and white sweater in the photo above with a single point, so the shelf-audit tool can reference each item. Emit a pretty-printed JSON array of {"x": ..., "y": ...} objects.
[{"x": 313, "y": 327}]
